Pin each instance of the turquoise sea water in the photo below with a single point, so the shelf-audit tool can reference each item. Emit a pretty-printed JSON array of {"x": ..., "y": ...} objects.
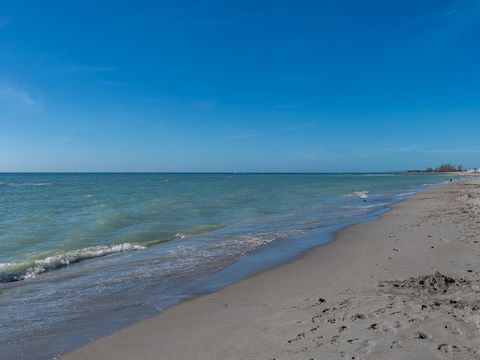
[{"x": 76, "y": 248}]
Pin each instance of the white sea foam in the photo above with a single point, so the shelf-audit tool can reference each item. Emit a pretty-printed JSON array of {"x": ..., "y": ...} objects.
[
  {"x": 361, "y": 194},
  {"x": 374, "y": 205},
  {"x": 25, "y": 184},
  {"x": 9, "y": 266},
  {"x": 406, "y": 193},
  {"x": 26, "y": 270},
  {"x": 371, "y": 206}
]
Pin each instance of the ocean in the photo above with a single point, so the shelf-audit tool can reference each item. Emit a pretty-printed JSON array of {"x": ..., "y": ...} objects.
[{"x": 82, "y": 255}]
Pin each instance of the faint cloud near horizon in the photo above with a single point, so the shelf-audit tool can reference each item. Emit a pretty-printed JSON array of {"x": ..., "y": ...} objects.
[
  {"x": 286, "y": 106},
  {"x": 463, "y": 150},
  {"x": 204, "y": 104},
  {"x": 241, "y": 136},
  {"x": 309, "y": 155},
  {"x": 88, "y": 69},
  {"x": 432, "y": 19},
  {"x": 213, "y": 22},
  {"x": 419, "y": 149},
  {"x": 402, "y": 149},
  {"x": 296, "y": 126},
  {"x": 14, "y": 96}
]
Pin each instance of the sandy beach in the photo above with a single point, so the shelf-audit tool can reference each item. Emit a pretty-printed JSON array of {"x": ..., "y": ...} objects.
[{"x": 404, "y": 286}]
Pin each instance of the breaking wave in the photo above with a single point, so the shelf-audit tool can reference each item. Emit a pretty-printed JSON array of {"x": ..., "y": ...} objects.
[{"x": 16, "y": 271}]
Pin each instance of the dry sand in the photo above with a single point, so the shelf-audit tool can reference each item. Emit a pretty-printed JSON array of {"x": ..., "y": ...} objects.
[{"x": 402, "y": 287}]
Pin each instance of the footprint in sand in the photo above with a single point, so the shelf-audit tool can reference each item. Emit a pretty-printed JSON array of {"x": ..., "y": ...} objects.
[
  {"x": 388, "y": 327},
  {"x": 420, "y": 335},
  {"x": 453, "y": 329},
  {"x": 298, "y": 337},
  {"x": 395, "y": 345},
  {"x": 367, "y": 347},
  {"x": 449, "y": 349}
]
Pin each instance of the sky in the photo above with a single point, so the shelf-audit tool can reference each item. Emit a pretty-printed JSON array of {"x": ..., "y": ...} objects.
[{"x": 331, "y": 85}]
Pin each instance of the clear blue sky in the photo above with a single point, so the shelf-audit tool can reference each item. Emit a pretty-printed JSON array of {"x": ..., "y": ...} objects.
[{"x": 340, "y": 85}]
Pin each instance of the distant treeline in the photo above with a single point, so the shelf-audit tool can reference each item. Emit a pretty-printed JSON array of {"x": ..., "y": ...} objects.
[{"x": 446, "y": 167}]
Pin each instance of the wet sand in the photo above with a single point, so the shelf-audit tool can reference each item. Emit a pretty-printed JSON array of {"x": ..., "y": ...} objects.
[{"x": 404, "y": 286}]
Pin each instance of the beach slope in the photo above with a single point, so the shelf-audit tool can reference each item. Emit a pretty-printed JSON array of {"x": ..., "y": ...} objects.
[{"x": 404, "y": 286}]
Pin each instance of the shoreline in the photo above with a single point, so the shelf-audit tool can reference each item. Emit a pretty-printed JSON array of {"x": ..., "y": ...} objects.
[{"x": 272, "y": 314}]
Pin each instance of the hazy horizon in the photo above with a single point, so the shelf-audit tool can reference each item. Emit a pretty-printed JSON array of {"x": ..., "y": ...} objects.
[{"x": 212, "y": 172}]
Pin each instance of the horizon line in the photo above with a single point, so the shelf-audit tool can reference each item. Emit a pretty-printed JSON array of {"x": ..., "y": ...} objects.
[{"x": 205, "y": 172}]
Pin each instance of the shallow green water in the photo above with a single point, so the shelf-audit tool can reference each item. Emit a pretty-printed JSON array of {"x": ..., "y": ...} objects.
[{"x": 76, "y": 248}]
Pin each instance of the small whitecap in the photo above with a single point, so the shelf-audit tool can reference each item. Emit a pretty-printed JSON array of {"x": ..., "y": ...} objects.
[{"x": 361, "y": 194}]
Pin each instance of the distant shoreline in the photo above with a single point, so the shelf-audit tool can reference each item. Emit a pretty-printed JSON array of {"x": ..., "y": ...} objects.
[{"x": 223, "y": 172}]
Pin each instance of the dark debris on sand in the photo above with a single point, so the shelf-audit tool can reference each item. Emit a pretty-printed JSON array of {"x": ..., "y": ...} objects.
[{"x": 433, "y": 284}]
